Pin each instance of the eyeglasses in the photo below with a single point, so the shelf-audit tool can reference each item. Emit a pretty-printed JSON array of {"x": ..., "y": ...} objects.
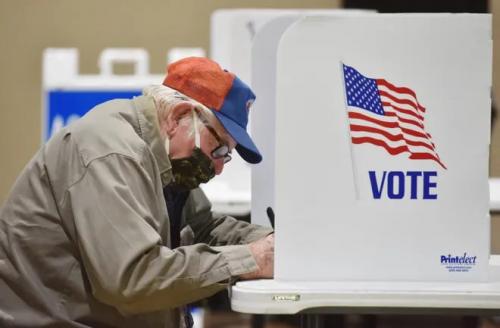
[{"x": 222, "y": 150}]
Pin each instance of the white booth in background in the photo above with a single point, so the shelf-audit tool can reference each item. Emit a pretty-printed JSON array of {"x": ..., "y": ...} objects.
[
  {"x": 231, "y": 36},
  {"x": 67, "y": 95},
  {"x": 232, "y": 33},
  {"x": 382, "y": 135}
]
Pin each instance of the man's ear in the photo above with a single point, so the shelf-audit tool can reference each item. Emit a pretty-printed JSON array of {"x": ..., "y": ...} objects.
[{"x": 174, "y": 116}]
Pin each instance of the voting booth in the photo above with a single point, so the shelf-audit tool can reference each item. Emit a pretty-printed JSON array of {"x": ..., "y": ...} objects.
[
  {"x": 381, "y": 149},
  {"x": 399, "y": 154},
  {"x": 233, "y": 33},
  {"x": 263, "y": 114}
]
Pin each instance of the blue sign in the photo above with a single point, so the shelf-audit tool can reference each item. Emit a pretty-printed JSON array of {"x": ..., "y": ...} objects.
[{"x": 64, "y": 107}]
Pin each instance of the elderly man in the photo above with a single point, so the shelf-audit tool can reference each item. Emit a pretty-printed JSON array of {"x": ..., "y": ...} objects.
[{"x": 90, "y": 235}]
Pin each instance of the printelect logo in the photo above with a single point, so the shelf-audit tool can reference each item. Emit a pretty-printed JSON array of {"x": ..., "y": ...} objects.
[
  {"x": 459, "y": 259},
  {"x": 458, "y": 263}
]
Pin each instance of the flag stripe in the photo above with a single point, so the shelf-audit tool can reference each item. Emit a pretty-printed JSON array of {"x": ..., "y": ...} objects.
[
  {"x": 389, "y": 108},
  {"x": 390, "y": 143},
  {"x": 396, "y": 102},
  {"x": 390, "y": 136},
  {"x": 391, "y": 130},
  {"x": 397, "y": 150},
  {"x": 401, "y": 101},
  {"x": 408, "y": 113},
  {"x": 427, "y": 156},
  {"x": 404, "y": 120},
  {"x": 401, "y": 90},
  {"x": 402, "y": 110},
  {"x": 392, "y": 122}
]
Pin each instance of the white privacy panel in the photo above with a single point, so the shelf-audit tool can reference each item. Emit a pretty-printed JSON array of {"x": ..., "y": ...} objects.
[{"x": 381, "y": 159}]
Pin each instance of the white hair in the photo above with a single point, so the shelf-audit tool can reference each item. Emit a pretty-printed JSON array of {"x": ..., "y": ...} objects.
[{"x": 166, "y": 98}]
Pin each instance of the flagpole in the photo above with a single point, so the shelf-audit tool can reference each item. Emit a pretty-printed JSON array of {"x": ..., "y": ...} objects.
[{"x": 349, "y": 137}]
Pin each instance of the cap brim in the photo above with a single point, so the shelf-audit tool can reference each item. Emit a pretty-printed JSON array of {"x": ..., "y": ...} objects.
[{"x": 245, "y": 146}]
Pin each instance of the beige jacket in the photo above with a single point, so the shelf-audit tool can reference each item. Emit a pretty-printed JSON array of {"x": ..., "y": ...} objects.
[{"x": 84, "y": 233}]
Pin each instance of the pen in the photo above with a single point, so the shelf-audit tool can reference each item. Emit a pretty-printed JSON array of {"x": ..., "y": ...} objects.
[{"x": 270, "y": 215}]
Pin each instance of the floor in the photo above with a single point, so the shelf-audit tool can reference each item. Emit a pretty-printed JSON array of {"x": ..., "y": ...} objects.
[{"x": 234, "y": 320}]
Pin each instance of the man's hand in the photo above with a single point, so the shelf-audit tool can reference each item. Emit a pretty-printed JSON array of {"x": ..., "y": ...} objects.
[{"x": 263, "y": 253}]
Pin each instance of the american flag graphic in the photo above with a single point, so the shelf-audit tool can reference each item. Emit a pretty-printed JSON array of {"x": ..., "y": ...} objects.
[{"x": 387, "y": 116}]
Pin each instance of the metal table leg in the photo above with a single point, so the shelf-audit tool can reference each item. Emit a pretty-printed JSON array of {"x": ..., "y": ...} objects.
[{"x": 311, "y": 321}]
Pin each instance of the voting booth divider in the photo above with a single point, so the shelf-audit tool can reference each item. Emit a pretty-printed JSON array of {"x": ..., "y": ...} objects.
[
  {"x": 397, "y": 129},
  {"x": 380, "y": 126},
  {"x": 232, "y": 35},
  {"x": 263, "y": 73}
]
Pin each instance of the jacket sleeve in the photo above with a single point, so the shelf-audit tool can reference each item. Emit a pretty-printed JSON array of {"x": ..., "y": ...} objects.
[
  {"x": 215, "y": 229},
  {"x": 116, "y": 209}
]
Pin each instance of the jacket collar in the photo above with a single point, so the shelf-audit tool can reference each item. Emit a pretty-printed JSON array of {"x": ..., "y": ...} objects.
[{"x": 149, "y": 131}]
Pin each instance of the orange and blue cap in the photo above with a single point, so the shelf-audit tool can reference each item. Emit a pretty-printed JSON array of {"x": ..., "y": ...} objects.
[{"x": 221, "y": 91}]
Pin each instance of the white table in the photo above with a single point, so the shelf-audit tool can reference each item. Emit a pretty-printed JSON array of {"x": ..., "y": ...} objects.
[
  {"x": 274, "y": 297},
  {"x": 281, "y": 297},
  {"x": 291, "y": 297}
]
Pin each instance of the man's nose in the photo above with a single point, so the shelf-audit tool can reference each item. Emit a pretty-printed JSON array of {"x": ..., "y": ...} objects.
[{"x": 218, "y": 165}]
